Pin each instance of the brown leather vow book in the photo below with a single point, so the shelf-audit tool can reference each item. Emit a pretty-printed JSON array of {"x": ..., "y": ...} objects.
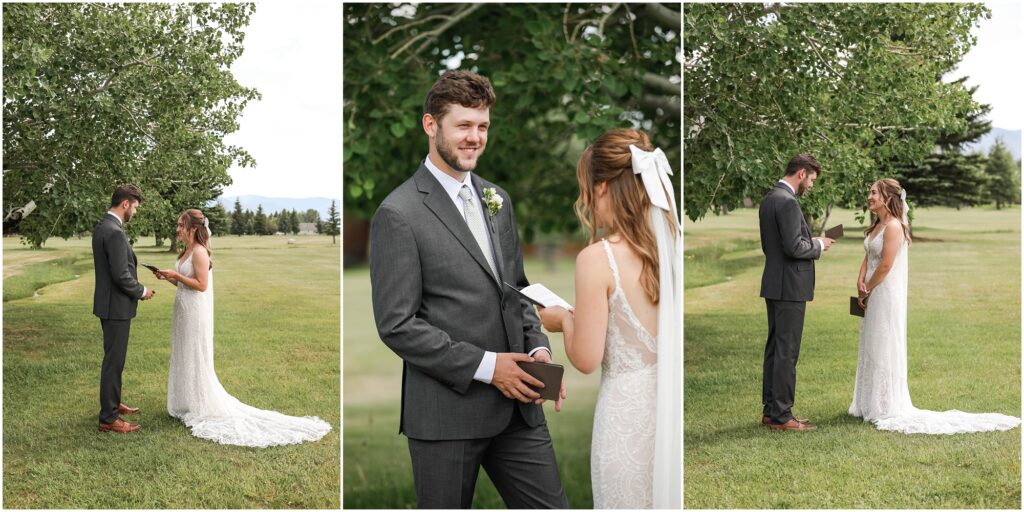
[
  {"x": 548, "y": 373},
  {"x": 835, "y": 233},
  {"x": 855, "y": 308}
]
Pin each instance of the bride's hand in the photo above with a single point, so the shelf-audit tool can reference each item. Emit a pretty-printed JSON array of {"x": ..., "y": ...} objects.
[
  {"x": 552, "y": 318},
  {"x": 862, "y": 289}
]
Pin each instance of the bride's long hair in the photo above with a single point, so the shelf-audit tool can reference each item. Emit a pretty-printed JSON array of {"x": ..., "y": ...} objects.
[
  {"x": 889, "y": 190},
  {"x": 608, "y": 160},
  {"x": 194, "y": 221}
]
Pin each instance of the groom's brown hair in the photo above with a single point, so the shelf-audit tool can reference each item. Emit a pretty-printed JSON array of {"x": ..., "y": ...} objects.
[
  {"x": 803, "y": 161},
  {"x": 463, "y": 87},
  {"x": 123, "y": 192}
]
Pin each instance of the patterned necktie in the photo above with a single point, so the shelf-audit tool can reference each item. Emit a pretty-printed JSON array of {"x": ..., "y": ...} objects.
[{"x": 476, "y": 225}]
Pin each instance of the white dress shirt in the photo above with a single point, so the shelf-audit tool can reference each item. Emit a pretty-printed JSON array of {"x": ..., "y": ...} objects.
[
  {"x": 484, "y": 372},
  {"x": 121, "y": 223},
  {"x": 821, "y": 243}
]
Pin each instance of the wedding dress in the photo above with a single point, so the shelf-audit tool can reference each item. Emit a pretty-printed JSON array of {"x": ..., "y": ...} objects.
[
  {"x": 622, "y": 450},
  {"x": 881, "y": 394},
  {"x": 195, "y": 395}
]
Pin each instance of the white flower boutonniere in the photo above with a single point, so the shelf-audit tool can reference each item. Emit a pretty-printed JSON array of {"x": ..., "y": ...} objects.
[{"x": 492, "y": 200}]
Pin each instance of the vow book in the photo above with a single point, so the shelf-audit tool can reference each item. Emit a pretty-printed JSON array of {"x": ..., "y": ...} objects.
[
  {"x": 150, "y": 267},
  {"x": 835, "y": 233},
  {"x": 855, "y": 308},
  {"x": 548, "y": 373},
  {"x": 540, "y": 295}
]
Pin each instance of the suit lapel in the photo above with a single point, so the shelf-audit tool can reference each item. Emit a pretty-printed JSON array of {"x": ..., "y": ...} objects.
[{"x": 438, "y": 202}]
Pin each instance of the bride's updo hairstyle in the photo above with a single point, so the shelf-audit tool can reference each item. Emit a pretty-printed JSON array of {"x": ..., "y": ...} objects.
[
  {"x": 608, "y": 160},
  {"x": 889, "y": 191},
  {"x": 194, "y": 221}
]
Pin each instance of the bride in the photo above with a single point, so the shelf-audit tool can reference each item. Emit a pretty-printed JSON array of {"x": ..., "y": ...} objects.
[
  {"x": 881, "y": 394},
  {"x": 194, "y": 394},
  {"x": 627, "y": 320}
]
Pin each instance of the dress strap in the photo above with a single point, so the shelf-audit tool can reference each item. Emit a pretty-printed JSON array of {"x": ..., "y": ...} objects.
[{"x": 611, "y": 262}]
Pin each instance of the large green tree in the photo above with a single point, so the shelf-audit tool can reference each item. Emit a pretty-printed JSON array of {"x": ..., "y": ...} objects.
[
  {"x": 101, "y": 94},
  {"x": 858, "y": 85},
  {"x": 562, "y": 74}
]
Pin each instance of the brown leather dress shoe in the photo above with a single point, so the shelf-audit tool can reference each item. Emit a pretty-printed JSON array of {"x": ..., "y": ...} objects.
[
  {"x": 793, "y": 425},
  {"x": 120, "y": 426},
  {"x": 124, "y": 409},
  {"x": 767, "y": 421}
]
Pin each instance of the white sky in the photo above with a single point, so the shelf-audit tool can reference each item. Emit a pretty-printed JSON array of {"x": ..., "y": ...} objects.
[
  {"x": 293, "y": 57},
  {"x": 994, "y": 64}
]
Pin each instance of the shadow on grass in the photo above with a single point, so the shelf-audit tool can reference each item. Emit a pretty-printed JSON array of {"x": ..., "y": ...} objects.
[{"x": 717, "y": 263}]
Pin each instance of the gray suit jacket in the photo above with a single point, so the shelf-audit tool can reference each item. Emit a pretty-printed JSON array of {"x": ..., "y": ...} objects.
[
  {"x": 788, "y": 247},
  {"x": 117, "y": 292},
  {"x": 438, "y": 306}
]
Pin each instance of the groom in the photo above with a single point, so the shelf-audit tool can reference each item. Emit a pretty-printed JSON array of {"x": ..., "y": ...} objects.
[
  {"x": 114, "y": 301},
  {"x": 441, "y": 244},
  {"x": 786, "y": 285}
]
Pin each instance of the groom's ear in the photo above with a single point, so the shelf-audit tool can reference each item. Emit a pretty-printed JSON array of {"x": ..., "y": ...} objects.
[{"x": 429, "y": 125}]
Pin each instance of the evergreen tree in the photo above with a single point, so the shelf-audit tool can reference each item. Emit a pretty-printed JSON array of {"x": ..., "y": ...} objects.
[
  {"x": 284, "y": 222},
  {"x": 238, "y": 219},
  {"x": 333, "y": 224},
  {"x": 250, "y": 225},
  {"x": 259, "y": 221},
  {"x": 1003, "y": 176},
  {"x": 294, "y": 222},
  {"x": 220, "y": 221}
]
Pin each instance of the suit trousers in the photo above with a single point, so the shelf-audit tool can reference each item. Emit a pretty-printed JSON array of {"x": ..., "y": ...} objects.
[
  {"x": 115, "y": 348},
  {"x": 785, "y": 327},
  {"x": 520, "y": 461}
]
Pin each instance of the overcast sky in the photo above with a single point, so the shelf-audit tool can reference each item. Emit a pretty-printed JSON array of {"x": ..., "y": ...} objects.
[
  {"x": 994, "y": 64},
  {"x": 293, "y": 57}
]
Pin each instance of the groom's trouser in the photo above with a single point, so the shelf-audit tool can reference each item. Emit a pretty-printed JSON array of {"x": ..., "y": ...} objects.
[
  {"x": 115, "y": 347},
  {"x": 520, "y": 461},
  {"x": 785, "y": 327}
]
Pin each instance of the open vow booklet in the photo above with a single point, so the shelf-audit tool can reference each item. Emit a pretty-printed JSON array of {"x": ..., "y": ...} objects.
[{"x": 540, "y": 295}]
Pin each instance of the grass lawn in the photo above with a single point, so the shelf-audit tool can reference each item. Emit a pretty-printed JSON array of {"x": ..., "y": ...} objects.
[
  {"x": 277, "y": 347},
  {"x": 964, "y": 342},
  {"x": 377, "y": 470}
]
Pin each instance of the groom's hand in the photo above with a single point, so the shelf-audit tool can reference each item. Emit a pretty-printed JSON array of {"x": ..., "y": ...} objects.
[
  {"x": 511, "y": 380},
  {"x": 543, "y": 356},
  {"x": 148, "y": 295}
]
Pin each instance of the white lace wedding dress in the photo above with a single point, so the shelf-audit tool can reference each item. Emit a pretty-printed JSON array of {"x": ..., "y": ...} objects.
[
  {"x": 195, "y": 395},
  {"x": 881, "y": 394},
  {"x": 622, "y": 449}
]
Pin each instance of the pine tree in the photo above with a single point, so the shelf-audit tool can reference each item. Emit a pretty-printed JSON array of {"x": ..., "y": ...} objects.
[
  {"x": 333, "y": 224},
  {"x": 238, "y": 219},
  {"x": 1003, "y": 176}
]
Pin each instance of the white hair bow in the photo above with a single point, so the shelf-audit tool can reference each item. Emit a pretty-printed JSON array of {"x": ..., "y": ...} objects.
[
  {"x": 654, "y": 170},
  {"x": 206, "y": 224}
]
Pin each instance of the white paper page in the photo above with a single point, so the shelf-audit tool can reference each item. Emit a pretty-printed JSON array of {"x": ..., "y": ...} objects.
[{"x": 542, "y": 294}]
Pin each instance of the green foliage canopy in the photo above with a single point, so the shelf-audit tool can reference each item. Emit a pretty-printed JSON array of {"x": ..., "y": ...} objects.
[
  {"x": 857, "y": 85},
  {"x": 562, "y": 73},
  {"x": 101, "y": 94}
]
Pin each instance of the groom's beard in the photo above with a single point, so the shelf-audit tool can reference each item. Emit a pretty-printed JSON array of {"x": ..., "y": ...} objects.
[{"x": 447, "y": 153}]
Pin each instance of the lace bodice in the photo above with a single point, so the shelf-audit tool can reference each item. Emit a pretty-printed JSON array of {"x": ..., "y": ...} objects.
[{"x": 628, "y": 345}]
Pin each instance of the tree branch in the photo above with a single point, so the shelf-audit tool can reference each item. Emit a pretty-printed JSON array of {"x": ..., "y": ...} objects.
[
  {"x": 664, "y": 15},
  {"x": 669, "y": 104},
  {"x": 432, "y": 35},
  {"x": 660, "y": 84}
]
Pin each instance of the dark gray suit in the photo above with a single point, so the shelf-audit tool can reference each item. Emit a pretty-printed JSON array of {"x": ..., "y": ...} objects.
[
  {"x": 439, "y": 307},
  {"x": 786, "y": 285},
  {"x": 114, "y": 301}
]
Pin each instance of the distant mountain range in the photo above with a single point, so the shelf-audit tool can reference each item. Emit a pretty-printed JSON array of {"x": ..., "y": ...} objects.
[
  {"x": 276, "y": 204},
  {"x": 1011, "y": 138}
]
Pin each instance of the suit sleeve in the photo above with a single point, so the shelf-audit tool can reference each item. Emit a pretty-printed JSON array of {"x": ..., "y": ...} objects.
[
  {"x": 396, "y": 289},
  {"x": 533, "y": 337},
  {"x": 794, "y": 243},
  {"x": 116, "y": 247}
]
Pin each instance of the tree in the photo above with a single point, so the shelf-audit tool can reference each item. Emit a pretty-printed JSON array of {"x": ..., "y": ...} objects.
[
  {"x": 250, "y": 223},
  {"x": 284, "y": 222},
  {"x": 332, "y": 226},
  {"x": 948, "y": 176},
  {"x": 238, "y": 219},
  {"x": 1004, "y": 176},
  {"x": 562, "y": 74},
  {"x": 259, "y": 222},
  {"x": 220, "y": 221},
  {"x": 294, "y": 222},
  {"x": 855, "y": 84},
  {"x": 101, "y": 94}
]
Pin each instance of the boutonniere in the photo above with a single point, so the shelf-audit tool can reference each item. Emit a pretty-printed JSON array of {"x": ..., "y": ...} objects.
[{"x": 492, "y": 200}]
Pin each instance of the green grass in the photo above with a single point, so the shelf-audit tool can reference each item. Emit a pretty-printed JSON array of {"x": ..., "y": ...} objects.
[
  {"x": 277, "y": 347},
  {"x": 964, "y": 353},
  {"x": 377, "y": 470}
]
